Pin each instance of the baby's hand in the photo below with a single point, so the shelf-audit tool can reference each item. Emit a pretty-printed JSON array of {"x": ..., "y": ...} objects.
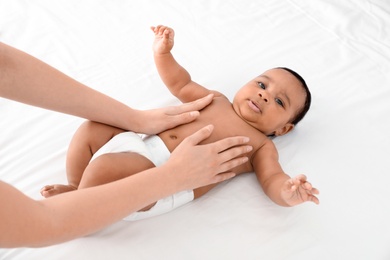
[
  {"x": 297, "y": 190},
  {"x": 163, "y": 41}
]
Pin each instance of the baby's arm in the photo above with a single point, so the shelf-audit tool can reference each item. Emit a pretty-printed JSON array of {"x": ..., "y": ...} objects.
[
  {"x": 279, "y": 187},
  {"x": 174, "y": 76}
]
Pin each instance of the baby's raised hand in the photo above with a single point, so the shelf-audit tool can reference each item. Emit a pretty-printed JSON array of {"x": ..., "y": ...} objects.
[
  {"x": 297, "y": 190},
  {"x": 163, "y": 39}
]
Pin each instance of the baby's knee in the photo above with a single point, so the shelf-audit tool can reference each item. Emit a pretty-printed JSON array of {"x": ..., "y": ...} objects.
[{"x": 88, "y": 126}]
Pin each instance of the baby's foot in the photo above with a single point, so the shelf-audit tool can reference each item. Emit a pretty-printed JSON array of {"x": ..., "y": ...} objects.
[{"x": 55, "y": 189}]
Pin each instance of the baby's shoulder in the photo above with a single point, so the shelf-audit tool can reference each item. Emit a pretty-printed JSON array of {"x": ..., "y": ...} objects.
[
  {"x": 263, "y": 148},
  {"x": 258, "y": 140}
]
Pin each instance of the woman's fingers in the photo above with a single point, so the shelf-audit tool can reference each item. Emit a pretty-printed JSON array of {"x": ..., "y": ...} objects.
[
  {"x": 227, "y": 149},
  {"x": 222, "y": 177},
  {"x": 232, "y": 163},
  {"x": 187, "y": 112},
  {"x": 211, "y": 163},
  {"x": 227, "y": 152},
  {"x": 199, "y": 135},
  {"x": 191, "y": 106},
  {"x": 225, "y": 144}
]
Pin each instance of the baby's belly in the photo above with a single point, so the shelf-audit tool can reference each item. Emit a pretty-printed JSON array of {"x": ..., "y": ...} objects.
[{"x": 172, "y": 138}]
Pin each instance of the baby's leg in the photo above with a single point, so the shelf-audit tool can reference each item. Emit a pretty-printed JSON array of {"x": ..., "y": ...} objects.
[
  {"x": 203, "y": 190},
  {"x": 89, "y": 138},
  {"x": 114, "y": 166}
]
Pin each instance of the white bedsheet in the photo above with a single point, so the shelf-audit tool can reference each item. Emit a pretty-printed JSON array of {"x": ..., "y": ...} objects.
[{"x": 341, "y": 48}]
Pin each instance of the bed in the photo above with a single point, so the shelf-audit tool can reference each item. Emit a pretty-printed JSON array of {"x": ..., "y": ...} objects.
[{"x": 341, "y": 48}]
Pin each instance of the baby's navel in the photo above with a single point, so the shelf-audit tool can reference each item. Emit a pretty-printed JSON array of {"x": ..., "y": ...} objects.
[{"x": 173, "y": 137}]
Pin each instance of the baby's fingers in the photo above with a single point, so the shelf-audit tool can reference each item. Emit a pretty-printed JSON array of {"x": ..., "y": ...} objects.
[
  {"x": 301, "y": 178},
  {"x": 294, "y": 183},
  {"x": 311, "y": 192},
  {"x": 314, "y": 199},
  {"x": 315, "y": 191},
  {"x": 291, "y": 185},
  {"x": 309, "y": 187},
  {"x": 159, "y": 29},
  {"x": 155, "y": 29}
]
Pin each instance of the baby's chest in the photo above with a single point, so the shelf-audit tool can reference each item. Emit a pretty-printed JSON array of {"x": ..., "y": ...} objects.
[{"x": 226, "y": 124}]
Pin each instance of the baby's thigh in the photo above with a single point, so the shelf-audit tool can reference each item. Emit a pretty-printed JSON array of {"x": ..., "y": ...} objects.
[
  {"x": 113, "y": 166},
  {"x": 94, "y": 135},
  {"x": 199, "y": 192}
]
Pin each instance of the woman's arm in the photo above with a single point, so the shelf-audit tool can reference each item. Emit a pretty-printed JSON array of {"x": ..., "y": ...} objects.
[
  {"x": 28, "y": 80},
  {"x": 26, "y": 222}
]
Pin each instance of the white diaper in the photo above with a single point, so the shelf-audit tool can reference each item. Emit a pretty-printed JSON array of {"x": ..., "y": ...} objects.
[{"x": 153, "y": 148}]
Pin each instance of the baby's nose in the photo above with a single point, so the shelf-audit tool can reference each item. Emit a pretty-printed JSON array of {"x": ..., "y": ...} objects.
[{"x": 262, "y": 95}]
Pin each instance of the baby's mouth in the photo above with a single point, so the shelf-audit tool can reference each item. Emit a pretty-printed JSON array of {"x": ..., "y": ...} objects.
[{"x": 254, "y": 106}]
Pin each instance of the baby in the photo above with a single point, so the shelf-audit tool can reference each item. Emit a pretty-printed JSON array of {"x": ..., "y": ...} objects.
[{"x": 271, "y": 104}]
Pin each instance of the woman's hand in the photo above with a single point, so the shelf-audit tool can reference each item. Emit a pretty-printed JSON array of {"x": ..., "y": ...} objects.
[
  {"x": 194, "y": 165},
  {"x": 157, "y": 120}
]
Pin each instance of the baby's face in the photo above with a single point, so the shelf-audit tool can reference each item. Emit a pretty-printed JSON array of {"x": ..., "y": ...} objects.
[{"x": 270, "y": 101}]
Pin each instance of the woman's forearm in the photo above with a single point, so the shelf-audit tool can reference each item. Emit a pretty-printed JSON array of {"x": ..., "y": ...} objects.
[
  {"x": 75, "y": 214},
  {"x": 28, "y": 80},
  {"x": 26, "y": 222}
]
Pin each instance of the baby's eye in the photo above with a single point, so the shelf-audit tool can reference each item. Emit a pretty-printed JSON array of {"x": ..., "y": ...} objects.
[
  {"x": 280, "y": 102},
  {"x": 261, "y": 85}
]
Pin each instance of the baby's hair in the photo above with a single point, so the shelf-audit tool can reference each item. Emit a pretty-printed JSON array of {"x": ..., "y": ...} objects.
[{"x": 302, "y": 112}]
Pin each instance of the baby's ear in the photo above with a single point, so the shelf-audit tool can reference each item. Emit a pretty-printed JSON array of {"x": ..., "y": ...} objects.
[{"x": 284, "y": 130}]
